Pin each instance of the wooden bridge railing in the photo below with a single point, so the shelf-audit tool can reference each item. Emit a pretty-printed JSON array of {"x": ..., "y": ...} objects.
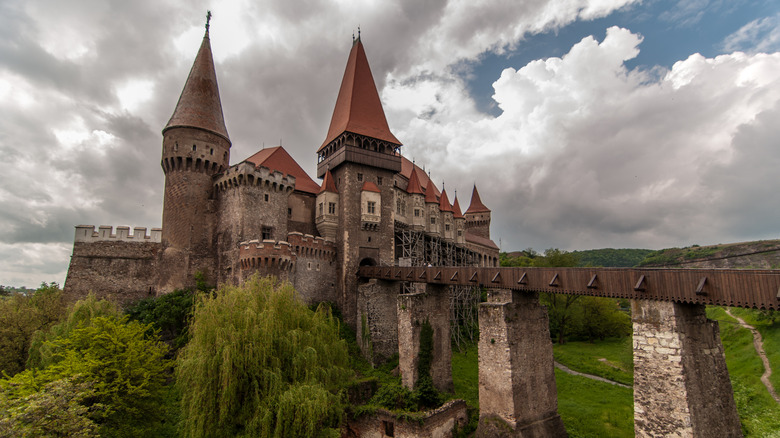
[{"x": 748, "y": 288}]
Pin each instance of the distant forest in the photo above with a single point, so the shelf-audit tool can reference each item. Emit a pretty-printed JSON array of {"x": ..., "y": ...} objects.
[{"x": 606, "y": 257}]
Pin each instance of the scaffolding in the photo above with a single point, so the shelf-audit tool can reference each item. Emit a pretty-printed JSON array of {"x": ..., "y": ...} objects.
[{"x": 416, "y": 248}]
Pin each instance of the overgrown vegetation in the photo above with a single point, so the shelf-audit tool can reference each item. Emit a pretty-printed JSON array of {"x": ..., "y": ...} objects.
[{"x": 260, "y": 363}]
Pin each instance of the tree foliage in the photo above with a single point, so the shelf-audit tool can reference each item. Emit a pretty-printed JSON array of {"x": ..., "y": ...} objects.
[
  {"x": 121, "y": 361},
  {"x": 260, "y": 363},
  {"x": 20, "y": 317},
  {"x": 169, "y": 313}
]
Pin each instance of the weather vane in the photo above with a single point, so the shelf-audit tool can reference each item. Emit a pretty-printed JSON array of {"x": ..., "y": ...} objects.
[{"x": 208, "y": 18}]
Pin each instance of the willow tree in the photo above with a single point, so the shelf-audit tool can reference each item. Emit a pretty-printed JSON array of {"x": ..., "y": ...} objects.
[{"x": 260, "y": 363}]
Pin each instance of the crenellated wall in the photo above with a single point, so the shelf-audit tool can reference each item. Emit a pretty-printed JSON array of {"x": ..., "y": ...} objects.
[{"x": 119, "y": 266}]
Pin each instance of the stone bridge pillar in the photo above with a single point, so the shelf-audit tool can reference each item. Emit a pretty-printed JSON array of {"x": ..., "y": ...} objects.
[
  {"x": 516, "y": 370},
  {"x": 414, "y": 310},
  {"x": 681, "y": 384},
  {"x": 377, "y": 325}
]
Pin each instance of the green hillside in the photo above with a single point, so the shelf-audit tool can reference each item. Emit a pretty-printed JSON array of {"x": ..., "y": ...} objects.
[{"x": 612, "y": 258}]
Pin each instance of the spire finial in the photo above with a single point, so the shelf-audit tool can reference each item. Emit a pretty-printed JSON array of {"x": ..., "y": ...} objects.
[{"x": 208, "y": 19}]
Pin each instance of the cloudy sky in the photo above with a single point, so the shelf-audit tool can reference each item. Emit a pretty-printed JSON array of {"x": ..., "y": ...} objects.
[{"x": 584, "y": 124}]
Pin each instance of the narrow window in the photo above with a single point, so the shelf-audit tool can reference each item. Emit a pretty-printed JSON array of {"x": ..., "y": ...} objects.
[
  {"x": 447, "y": 227},
  {"x": 211, "y": 151},
  {"x": 320, "y": 208},
  {"x": 289, "y": 212},
  {"x": 360, "y": 177},
  {"x": 433, "y": 220},
  {"x": 267, "y": 233},
  {"x": 460, "y": 233},
  {"x": 371, "y": 207},
  {"x": 331, "y": 208},
  {"x": 194, "y": 147},
  {"x": 416, "y": 212},
  {"x": 379, "y": 180},
  {"x": 265, "y": 197}
]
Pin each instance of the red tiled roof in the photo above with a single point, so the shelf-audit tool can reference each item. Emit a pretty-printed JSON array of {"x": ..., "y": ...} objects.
[
  {"x": 476, "y": 204},
  {"x": 368, "y": 186},
  {"x": 444, "y": 203},
  {"x": 408, "y": 168},
  {"x": 199, "y": 105},
  {"x": 430, "y": 193},
  {"x": 328, "y": 185},
  {"x": 358, "y": 108},
  {"x": 276, "y": 158},
  {"x": 414, "y": 187},
  {"x": 457, "y": 213},
  {"x": 473, "y": 238}
]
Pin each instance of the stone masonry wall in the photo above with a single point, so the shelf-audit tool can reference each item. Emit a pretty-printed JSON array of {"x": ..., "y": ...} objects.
[
  {"x": 516, "y": 369},
  {"x": 377, "y": 333},
  {"x": 413, "y": 310},
  {"x": 121, "y": 271},
  {"x": 438, "y": 423},
  {"x": 681, "y": 384}
]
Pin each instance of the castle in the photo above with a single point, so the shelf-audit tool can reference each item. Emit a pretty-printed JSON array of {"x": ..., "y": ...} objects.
[{"x": 266, "y": 215}]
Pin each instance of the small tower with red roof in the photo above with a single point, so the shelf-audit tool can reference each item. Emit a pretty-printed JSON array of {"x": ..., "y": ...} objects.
[
  {"x": 477, "y": 216},
  {"x": 447, "y": 219},
  {"x": 460, "y": 222},
  {"x": 327, "y": 216}
]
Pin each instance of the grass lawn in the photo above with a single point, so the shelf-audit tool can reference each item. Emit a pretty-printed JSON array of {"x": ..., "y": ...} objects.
[
  {"x": 611, "y": 359},
  {"x": 758, "y": 411},
  {"x": 588, "y": 408}
]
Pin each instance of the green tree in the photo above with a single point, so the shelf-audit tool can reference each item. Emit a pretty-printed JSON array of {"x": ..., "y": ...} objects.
[
  {"x": 123, "y": 363},
  {"x": 57, "y": 410},
  {"x": 20, "y": 317},
  {"x": 260, "y": 363},
  {"x": 602, "y": 318}
]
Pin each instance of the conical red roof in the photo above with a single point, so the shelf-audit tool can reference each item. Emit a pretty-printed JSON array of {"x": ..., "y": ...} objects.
[
  {"x": 444, "y": 203},
  {"x": 414, "y": 187},
  {"x": 457, "y": 213},
  {"x": 328, "y": 185},
  {"x": 476, "y": 204},
  {"x": 358, "y": 108},
  {"x": 430, "y": 193},
  {"x": 199, "y": 105},
  {"x": 368, "y": 186}
]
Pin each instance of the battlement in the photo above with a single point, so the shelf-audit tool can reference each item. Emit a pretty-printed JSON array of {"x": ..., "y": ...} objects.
[
  {"x": 247, "y": 174},
  {"x": 306, "y": 245},
  {"x": 268, "y": 254},
  {"x": 87, "y": 233}
]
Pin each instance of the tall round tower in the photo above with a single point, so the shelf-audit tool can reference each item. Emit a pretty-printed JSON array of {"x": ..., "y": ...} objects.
[{"x": 196, "y": 147}]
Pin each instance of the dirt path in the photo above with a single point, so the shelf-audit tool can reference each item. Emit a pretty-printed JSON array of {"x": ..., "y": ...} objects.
[
  {"x": 758, "y": 343},
  {"x": 566, "y": 369}
]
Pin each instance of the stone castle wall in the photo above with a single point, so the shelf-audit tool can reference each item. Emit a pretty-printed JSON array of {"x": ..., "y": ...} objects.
[{"x": 120, "y": 267}]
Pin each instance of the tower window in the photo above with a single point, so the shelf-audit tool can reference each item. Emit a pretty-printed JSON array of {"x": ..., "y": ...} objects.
[
  {"x": 379, "y": 180},
  {"x": 360, "y": 177},
  {"x": 194, "y": 147},
  {"x": 289, "y": 212},
  {"x": 265, "y": 197},
  {"x": 446, "y": 227},
  {"x": 211, "y": 151},
  {"x": 176, "y": 147},
  {"x": 433, "y": 220},
  {"x": 460, "y": 233},
  {"x": 224, "y": 156},
  {"x": 416, "y": 212},
  {"x": 371, "y": 207},
  {"x": 320, "y": 208},
  {"x": 331, "y": 208},
  {"x": 267, "y": 233}
]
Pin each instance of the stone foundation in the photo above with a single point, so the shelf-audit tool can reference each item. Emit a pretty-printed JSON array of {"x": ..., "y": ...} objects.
[
  {"x": 377, "y": 331},
  {"x": 413, "y": 310},
  {"x": 438, "y": 423},
  {"x": 681, "y": 384},
  {"x": 517, "y": 392}
]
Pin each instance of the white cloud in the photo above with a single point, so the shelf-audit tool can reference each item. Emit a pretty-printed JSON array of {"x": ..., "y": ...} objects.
[
  {"x": 587, "y": 153},
  {"x": 760, "y": 35}
]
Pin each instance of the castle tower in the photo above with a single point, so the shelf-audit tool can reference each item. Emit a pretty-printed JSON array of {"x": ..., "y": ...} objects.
[
  {"x": 196, "y": 147},
  {"x": 478, "y": 216},
  {"x": 447, "y": 217},
  {"x": 432, "y": 209},
  {"x": 358, "y": 149},
  {"x": 414, "y": 189}
]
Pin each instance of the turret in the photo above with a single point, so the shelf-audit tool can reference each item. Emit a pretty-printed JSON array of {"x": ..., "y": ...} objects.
[
  {"x": 477, "y": 216},
  {"x": 196, "y": 147},
  {"x": 432, "y": 209},
  {"x": 417, "y": 201},
  {"x": 448, "y": 223},
  {"x": 460, "y": 221},
  {"x": 327, "y": 217}
]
